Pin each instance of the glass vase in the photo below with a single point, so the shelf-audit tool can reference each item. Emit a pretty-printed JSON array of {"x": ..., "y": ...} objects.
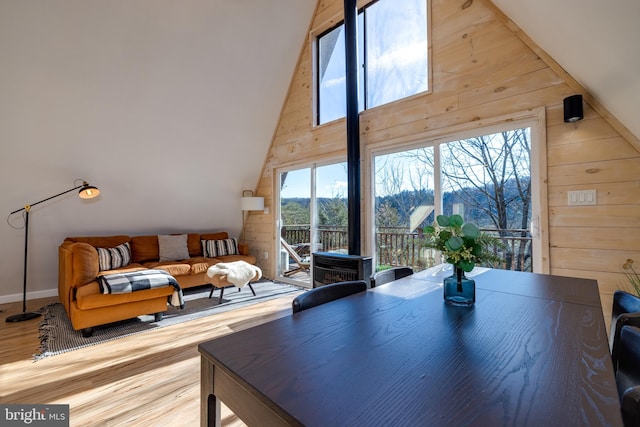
[{"x": 458, "y": 289}]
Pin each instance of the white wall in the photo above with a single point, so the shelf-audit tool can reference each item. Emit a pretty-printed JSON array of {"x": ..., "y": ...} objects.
[{"x": 167, "y": 106}]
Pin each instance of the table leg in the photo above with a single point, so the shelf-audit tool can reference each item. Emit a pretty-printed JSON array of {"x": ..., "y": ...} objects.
[{"x": 210, "y": 415}]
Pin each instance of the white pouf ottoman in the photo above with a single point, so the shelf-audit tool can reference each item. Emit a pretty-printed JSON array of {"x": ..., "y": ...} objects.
[{"x": 236, "y": 273}]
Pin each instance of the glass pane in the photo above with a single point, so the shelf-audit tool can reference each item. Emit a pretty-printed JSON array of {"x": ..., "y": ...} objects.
[
  {"x": 397, "y": 49},
  {"x": 486, "y": 179},
  {"x": 331, "y": 206},
  {"x": 331, "y": 76},
  {"x": 404, "y": 204},
  {"x": 295, "y": 220}
]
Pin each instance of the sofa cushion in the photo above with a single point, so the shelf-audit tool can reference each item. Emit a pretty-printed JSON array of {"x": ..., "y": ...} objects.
[
  {"x": 200, "y": 265},
  {"x": 111, "y": 258},
  {"x": 193, "y": 243},
  {"x": 231, "y": 258},
  {"x": 144, "y": 248},
  {"x": 215, "y": 236},
  {"x": 129, "y": 268},
  {"x": 222, "y": 247},
  {"x": 101, "y": 241},
  {"x": 172, "y": 247},
  {"x": 171, "y": 267}
]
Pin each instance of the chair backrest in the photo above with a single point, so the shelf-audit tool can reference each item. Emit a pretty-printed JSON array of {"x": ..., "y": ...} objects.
[
  {"x": 326, "y": 293},
  {"x": 628, "y": 375},
  {"x": 625, "y": 311},
  {"x": 292, "y": 252},
  {"x": 386, "y": 276}
]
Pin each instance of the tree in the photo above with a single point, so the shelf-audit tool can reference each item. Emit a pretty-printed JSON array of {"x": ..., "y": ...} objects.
[
  {"x": 490, "y": 175},
  {"x": 294, "y": 213},
  {"x": 332, "y": 211},
  {"x": 395, "y": 204},
  {"x": 484, "y": 171}
]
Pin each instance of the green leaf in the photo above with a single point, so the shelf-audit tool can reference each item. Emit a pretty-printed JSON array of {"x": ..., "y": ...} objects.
[
  {"x": 456, "y": 220},
  {"x": 442, "y": 220},
  {"x": 429, "y": 229},
  {"x": 445, "y": 235},
  {"x": 466, "y": 266},
  {"x": 454, "y": 243},
  {"x": 470, "y": 230},
  {"x": 477, "y": 250}
]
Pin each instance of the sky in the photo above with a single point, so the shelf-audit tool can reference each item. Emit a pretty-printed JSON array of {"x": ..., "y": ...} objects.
[
  {"x": 331, "y": 181},
  {"x": 397, "y": 66}
]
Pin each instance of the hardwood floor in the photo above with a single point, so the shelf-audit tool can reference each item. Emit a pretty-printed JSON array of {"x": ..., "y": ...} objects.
[{"x": 148, "y": 379}]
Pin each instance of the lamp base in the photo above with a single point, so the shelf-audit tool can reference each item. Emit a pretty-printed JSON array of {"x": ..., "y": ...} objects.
[{"x": 22, "y": 317}]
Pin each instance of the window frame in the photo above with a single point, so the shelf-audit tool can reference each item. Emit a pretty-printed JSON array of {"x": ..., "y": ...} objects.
[
  {"x": 338, "y": 21},
  {"x": 535, "y": 119}
]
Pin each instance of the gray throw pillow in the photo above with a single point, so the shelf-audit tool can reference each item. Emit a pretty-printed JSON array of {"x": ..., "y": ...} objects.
[{"x": 173, "y": 247}]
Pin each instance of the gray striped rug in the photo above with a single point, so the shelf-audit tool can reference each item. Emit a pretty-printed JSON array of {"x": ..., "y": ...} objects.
[{"x": 58, "y": 336}]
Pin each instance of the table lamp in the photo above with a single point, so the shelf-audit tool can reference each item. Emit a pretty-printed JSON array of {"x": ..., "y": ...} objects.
[{"x": 249, "y": 202}]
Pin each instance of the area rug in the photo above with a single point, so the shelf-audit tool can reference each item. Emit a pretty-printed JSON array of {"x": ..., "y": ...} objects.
[{"x": 58, "y": 336}]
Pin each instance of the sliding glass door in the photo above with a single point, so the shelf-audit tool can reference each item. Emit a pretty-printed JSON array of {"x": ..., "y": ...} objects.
[{"x": 312, "y": 209}]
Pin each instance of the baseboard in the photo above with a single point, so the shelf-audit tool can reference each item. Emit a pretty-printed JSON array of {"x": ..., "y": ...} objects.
[{"x": 30, "y": 296}]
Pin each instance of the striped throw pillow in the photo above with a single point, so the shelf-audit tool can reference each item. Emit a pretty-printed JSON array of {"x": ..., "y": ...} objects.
[
  {"x": 112, "y": 258},
  {"x": 215, "y": 248}
]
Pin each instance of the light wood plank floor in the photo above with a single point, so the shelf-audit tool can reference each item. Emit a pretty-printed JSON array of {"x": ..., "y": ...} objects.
[{"x": 148, "y": 379}]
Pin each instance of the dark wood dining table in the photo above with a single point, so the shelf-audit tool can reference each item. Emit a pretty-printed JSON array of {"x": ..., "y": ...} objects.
[{"x": 532, "y": 351}]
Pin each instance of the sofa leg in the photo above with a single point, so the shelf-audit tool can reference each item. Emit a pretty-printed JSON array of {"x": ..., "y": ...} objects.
[
  {"x": 86, "y": 332},
  {"x": 158, "y": 316}
]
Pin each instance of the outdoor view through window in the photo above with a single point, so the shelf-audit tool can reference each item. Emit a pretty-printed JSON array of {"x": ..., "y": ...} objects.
[
  {"x": 392, "y": 51},
  {"x": 486, "y": 179}
]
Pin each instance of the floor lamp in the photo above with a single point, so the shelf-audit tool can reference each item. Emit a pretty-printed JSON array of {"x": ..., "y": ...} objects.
[{"x": 86, "y": 192}]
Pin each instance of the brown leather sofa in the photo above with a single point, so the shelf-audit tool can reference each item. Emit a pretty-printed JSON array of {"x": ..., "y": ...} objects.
[{"x": 78, "y": 270}]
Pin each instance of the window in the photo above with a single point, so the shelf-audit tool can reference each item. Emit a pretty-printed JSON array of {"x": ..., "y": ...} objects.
[
  {"x": 488, "y": 178},
  {"x": 392, "y": 50}
]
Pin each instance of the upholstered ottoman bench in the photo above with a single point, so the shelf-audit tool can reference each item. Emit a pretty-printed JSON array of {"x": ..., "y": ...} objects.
[{"x": 236, "y": 273}]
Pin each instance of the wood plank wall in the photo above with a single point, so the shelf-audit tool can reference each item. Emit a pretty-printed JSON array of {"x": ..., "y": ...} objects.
[{"x": 483, "y": 67}]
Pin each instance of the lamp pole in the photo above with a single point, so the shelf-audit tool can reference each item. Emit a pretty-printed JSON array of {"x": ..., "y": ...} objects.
[
  {"x": 24, "y": 315},
  {"x": 86, "y": 192}
]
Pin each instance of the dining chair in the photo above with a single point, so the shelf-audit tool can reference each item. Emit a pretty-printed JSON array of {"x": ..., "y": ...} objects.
[
  {"x": 625, "y": 311},
  {"x": 327, "y": 293},
  {"x": 628, "y": 375},
  {"x": 386, "y": 276}
]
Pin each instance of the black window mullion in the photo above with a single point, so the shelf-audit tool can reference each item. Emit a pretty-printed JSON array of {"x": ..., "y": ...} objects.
[{"x": 365, "y": 92}]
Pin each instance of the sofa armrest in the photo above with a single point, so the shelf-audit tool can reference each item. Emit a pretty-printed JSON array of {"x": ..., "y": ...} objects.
[
  {"x": 77, "y": 265},
  {"x": 64, "y": 274},
  {"x": 243, "y": 248}
]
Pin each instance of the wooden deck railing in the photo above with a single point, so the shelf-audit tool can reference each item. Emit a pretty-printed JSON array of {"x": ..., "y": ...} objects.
[{"x": 395, "y": 246}]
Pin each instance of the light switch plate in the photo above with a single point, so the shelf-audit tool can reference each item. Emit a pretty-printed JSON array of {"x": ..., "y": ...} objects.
[{"x": 582, "y": 198}]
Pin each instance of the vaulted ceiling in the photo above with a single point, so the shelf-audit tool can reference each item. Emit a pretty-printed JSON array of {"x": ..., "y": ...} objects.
[{"x": 594, "y": 41}]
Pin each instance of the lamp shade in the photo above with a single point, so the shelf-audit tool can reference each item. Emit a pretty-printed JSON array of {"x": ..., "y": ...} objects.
[
  {"x": 252, "y": 203},
  {"x": 88, "y": 192}
]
